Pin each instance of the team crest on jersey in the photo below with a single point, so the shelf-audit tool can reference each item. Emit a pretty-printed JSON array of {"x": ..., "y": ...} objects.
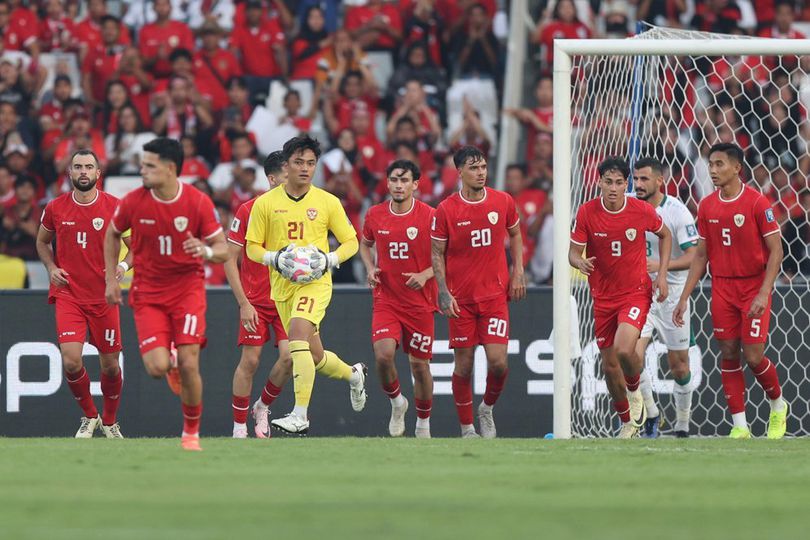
[
  {"x": 312, "y": 213},
  {"x": 411, "y": 232},
  {"x": 180, "y": 223},
  {"x": 98, "y": 223},
  {"x": 739, "y": 219},
  {"x": 493, "y": 217},
  {"x": 630, "y": 234}
]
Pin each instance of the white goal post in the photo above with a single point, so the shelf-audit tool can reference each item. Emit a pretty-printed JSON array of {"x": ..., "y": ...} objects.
[{"x": 569, "y": 183}]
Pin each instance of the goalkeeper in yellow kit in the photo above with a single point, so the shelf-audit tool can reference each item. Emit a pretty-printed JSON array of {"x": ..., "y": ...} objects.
[{"x": 300, "y": 214}]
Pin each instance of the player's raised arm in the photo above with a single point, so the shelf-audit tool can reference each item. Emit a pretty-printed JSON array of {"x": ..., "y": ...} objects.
[
  {"x": 775, "y": 255},
  {"x": 664, "y": 254},
  {"x": 696, "y": 271}
]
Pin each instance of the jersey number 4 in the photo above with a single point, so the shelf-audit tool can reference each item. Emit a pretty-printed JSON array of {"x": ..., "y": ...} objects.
[{"x": 81, "y": 239}]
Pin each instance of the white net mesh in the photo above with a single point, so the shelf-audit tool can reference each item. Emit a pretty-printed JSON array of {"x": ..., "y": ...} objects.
[{"x": 674, "y": 108}]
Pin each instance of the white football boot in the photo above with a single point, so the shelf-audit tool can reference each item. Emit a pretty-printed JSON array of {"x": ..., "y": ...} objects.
[{"x": 87, "y": 427}]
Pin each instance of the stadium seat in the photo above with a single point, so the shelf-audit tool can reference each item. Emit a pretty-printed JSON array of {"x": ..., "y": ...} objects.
[{"x": 12, "y": 272}]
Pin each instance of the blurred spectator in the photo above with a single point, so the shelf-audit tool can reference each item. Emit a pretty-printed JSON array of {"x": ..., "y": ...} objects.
[
  {"x": 17, "y": 158},
  {"x": 102, "y": 63},
  {"x": 475, "y": 49},
  {"x": 194, "y": 166},
  {"x": 782, "y": 196},
  {"x": 57, "y": 31},
  {"x": 540, "y": 118},
  {"x": 356, "y": 90},
  {"x": 533, "y": 205},
  {"x": 406, "y": 131},
  {"x": 419, "y": 66},
  {"x": 470, "y": 133},
  {"x": 615, "y": 18},
  {"x": 212, "y": 63},
  {"x": 16, "y": 86},
  {"x": 157, "y": 40},
  {"x": 374, "y": 155},
  {"x": 720, "y": 16},
  {"x": 51, "y": 114},
  {"x": 423, "y": 25},
  {"x": 563, "y": 24},
  {"x": 248, "y": 182},
  {"x": 215, "y": 273},
  {"x": 209, "y": 89},
  {"x": 223, "y": 175},
  {"x": 782, "y": 28},
  {"x": 310, "y": 45},
  {"x": 796, "y": 239},
  {"x": 79, "y": 135},
  {"x": 260, "y": 44},
  {"x": 414, "y": 105},
  {"x": 540, "y": 169},
  {"x": 271, "y": 10},
  {"x": 21, "y": 221},
  {"x": 661, "y": 12},
  {"x": 343, "y": 57},
  {"x": 7, "y": 197},
  {"x": 375, "y": 25},
  {"x": 292, "y": 112},
  {"x": 114, "y": 102},
  {"x": 19, "y": 27},
  {"x": 124, "y": 145},
  {"x": 193, "y": 12},
  {"x": 185, "y": 112},
  {"x": 138, "y": 82},
  {"x": 88, "y": 33},
  {"x": 11, "y": 129},
  {"x": 330, "y": 9},
  {"x": 343, "y": 169}
]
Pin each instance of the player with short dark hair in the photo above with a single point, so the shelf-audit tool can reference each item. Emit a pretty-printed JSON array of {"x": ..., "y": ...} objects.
[
  {"x": 613, "y": 228},
  {"x": 404, "y": 292},
  {"x": 78, "y": 221},
  {"x": 174, "y": 229},
  {"x": 468, "y": 235},
  {"x": 740, "y": 241}
]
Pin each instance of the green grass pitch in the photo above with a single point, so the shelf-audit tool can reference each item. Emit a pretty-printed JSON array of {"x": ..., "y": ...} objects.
[{"x": 333, "y": 488}]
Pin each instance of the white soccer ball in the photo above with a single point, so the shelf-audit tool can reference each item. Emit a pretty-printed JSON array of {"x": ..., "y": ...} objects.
[{"x": 302, "y": 262}]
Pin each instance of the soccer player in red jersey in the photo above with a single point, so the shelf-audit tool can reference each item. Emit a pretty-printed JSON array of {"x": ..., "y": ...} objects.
[
  {"x": 257, "y": 314},
  {"x": 174, "y": 228},
  {"x": 78, "y": 221},
  {"x": 404, "y": 292},
  {"x": 739, "y": 239},
  {"x": 468, "y": 233},
  {"x": 613, "y": 228}
]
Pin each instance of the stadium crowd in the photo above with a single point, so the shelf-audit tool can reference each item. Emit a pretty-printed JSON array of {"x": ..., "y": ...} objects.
[{"x": 374, "y": 80}]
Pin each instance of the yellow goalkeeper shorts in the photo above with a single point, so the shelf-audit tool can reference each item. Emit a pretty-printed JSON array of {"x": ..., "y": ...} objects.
[{"x": 307, "y": 302}]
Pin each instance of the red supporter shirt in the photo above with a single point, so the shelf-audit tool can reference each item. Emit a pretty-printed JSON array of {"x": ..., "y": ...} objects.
[
  {"x": 88, "y": 33},
  {"x": 734, "y": 232},
  {"x": 475, "y": 233},
  {"x": 22, "y": 29},
  {"x": 139, "y": 96},
  {"x": 561, "y": 30},
  {"x": 529, "y": 202},
  {"x": 346, "y": 107},
  {"x": 221, "y": 66},
  {"x": 618, "y": 241},
  {"x": 306, "y": 67},
  {"x": 255, "y": 277},
  {"x": 255, "y": 45},
  {"x": 360, "y": 15},
  {"x": 159, "y": 229},
  {"x": 403, "y": 246},
  {"x": 153, "y": 36},
  {"x": 101, "y": 63},
  {"x": 57, "y": 35},
  {"x": 79, "y": 231}
]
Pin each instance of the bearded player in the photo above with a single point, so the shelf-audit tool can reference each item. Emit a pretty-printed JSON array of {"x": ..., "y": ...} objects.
[
  {"x": 174, "y": 229},
  {"x": 740, "y": 241},
  {"x": 468, "y": 235},
  {"x": 612, "y": 227},
  {"x": 300, "y": 214},
  {"x": 404, "y": 293},
  {"x": 250, "y": 284},
  {"x": 78, "y": 221}
]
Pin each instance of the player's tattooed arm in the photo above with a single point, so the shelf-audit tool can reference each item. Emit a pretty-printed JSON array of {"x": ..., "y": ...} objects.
[
  {"x": 447, "y": 304},
  {"x": 775, "y": 255},
  {"x": 45, "y": 251},
  {"x": 576, "y": 259}
]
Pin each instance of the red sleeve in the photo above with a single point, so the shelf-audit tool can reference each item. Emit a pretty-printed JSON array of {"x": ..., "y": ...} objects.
[
  {"x": 123, "y": 36},
  {"x": 512, "y": 217},
  {"x": 47, "y": 217},
  {"x": 276, "y": 31},
  {"x": 701, "y": 222},
  {"x": 352, "y": 22},
  {"x": 368, "y": 230},
  {"x": 763, "y": 214},
  {"x": 438, "y": 225},
  {"x": 580, "y": 233},
  {"x": 87, "y": 64},
  {"x": 236, "y": 234},
  {"x": 145, "y": 51},
  {"x": 235, "y": 38},
  {"x": 653, "y": 221},
  {"x": 187, "y": 38},
  {"x": 209, "y": 219},
  {"x": 395, "y": 19},
  {"x": 122, "y": 218}
]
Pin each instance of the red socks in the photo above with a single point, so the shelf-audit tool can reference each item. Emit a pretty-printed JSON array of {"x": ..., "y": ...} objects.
[
  {"x": 462, "y": 394},
  {"x": 494, "y": 387},
  {"x": 423, "y": 407},
  {"x": 767, "y": 377},
  {"x": 191, "y": 418},
  {"x": 391, "y": 389},
  {"x": 731, "y": 374},
  {"x": 79, "y": 384},
  {"x": 623, "y": 408},
  {"x": 111, "y": 390},
  {"x": 241, "y": 406},
  {"x": 632, "y": 382},
  {"x": 270, "y": 393}
]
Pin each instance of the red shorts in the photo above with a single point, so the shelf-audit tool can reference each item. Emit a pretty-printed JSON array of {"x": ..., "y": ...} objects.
[
  {"x": 413, "y": 330},
  {"x": 268, "y": 316},
  {"x": 731, "y": 299},
  {"x": 480, "y": 324},
  {"x": 609, "y": 314},
  {"x": 180, "y": 321},
  {"x": 73, "y": 320}
]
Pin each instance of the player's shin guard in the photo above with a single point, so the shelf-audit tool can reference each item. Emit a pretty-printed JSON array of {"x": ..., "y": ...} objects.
[
  {"x": 682, "y": 395},
  {"x": 303, "y": 372},
  {"x": 462, "y": 394},
  {"x": 647, "y": 394},
  {"x": 241, "y": 406},
  {"x": 79, "y": 384},
  {"x": 731, "y": 374},
  {"x": 191, "y": 418},
  {"x": 333, "y": 367},
  {"x": 767, "y": 377},
  {"x": 111, "y": 390},
  {"x": 270, "y": 393},
  {"x": 495, "y": 385}
]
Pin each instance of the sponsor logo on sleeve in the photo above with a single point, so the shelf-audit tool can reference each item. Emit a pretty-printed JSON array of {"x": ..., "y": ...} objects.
[{"x": 769, "y": 215}]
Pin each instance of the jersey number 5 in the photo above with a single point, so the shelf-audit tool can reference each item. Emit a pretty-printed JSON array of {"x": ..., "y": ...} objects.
[{"x": 726, "y": 234}]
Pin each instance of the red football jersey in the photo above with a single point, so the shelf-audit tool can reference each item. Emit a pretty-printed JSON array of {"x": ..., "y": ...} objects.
[
  {"x": 256, "y": 47},
  {"x": 734, "y": 232},
  {"x": 475, "y": 233},
  {"x": 619, "y": 243},
  {"x": 79, "y": 231},
  {"x": 255, "y": 277},
  {"x": 159, "y": 229},
  {"x": 403, "y": 246},
  {"x": 175, "y": 34}
]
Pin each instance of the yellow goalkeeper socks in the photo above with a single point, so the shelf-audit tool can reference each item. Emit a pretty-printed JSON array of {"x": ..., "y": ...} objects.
[
  {"x": 333, "y": 367},
  {"x": 303, "y": 372}
]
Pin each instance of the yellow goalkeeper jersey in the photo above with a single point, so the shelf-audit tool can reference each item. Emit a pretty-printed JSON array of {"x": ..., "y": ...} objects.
[{"x": 278, "y": 220}]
